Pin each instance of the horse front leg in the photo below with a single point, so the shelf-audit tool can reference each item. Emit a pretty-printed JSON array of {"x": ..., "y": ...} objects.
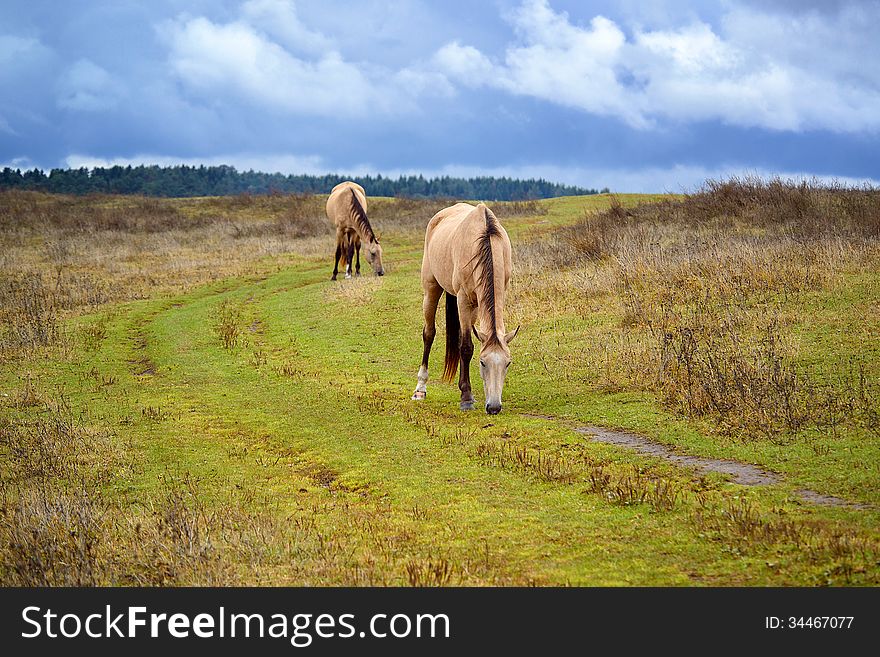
[
  {"x": 350, "y": 257},
  {"x": 357, "y": 251},
  {"x": 429, "y": 307},
  {"x": 466, "y": 352}
]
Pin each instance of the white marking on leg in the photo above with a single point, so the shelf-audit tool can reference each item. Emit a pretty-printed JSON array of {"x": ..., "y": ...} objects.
[
  {"x": 422, "y": 387},
  {"x": 423, "y": 379}
]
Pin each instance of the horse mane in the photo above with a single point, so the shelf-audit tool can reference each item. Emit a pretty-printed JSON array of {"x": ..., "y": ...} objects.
[
  {"x": 487, "y": 272},
  {"x": 360, "y": 216}
]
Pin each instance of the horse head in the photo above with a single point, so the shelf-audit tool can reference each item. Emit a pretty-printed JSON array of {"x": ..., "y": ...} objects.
[
  {"x": 494, "y": 362},
  {"x": 373, "y": 254}
]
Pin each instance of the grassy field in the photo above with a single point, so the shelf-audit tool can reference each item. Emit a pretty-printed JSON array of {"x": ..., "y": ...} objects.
[{"x": 187, "y": 398}]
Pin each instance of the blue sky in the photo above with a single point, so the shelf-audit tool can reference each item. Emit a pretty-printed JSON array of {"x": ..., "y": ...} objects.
[{"x": 636, "y": 96}]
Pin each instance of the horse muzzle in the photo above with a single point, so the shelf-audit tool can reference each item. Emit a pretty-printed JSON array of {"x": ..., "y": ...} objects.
[{"x": 493, "y": 409}]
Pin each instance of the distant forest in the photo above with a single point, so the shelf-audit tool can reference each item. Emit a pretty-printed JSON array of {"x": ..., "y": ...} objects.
[{"x": 182, "y": 181}]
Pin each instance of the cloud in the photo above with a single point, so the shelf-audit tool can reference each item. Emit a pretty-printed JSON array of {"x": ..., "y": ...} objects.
[
  {"x": 759, "y": 70},
  {"x": 88, "y": 87},
  {"x": 464, "y": 63},
  {"x": 5, "y": 127},
  {"x": 256, "y": 58},
  {"x": 217, "y": 59},
  {"x": 21, "y": 163},
  {"x": 16, "y": 50},
  {"x": 278, "y": 18},
  {"x": 513, "y": 86}
]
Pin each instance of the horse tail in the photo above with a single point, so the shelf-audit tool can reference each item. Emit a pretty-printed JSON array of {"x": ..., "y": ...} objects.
[{"x": 453, "y": 338}]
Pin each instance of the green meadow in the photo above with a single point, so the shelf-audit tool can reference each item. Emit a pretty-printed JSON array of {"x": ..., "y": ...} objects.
[{"x": 188, "y": 399}]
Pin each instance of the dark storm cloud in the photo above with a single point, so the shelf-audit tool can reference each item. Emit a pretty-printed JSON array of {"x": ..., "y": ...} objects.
[{"x": 645, "y": 95}]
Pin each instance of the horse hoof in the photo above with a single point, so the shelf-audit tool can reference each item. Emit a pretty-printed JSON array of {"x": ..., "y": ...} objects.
[
  {"x": 466, "y": 406},
  {"x": 332, "y": 278},
  {"x": 418, "y": 395},
  {"x": 348, "y": 275}
]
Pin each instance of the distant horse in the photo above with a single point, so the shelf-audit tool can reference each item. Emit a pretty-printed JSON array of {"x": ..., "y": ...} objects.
[
  {"x": 347, "y": 211},
  {"x": 467, "y": 255}
]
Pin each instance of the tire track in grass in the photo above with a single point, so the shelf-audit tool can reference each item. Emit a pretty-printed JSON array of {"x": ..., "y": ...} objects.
[
  {"x": 315, "y": 465},
  {"x": 532, "y": 531},
  {"x": 744, "y": 474},
  {"x": 544, "y": 532},
  {"x": 364, "y": 513}
]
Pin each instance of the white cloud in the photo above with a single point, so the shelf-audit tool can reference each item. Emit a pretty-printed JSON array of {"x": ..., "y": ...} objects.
[
  {"x": 15, "y": 50},
  {"x": 464, "y": 63},
  {"x": 278, "y": 18},
  {"x": 88, "y": 87},
  {"x": 759, "y": 70},
  {"x": 22, "y": 163},
  {"x": 257, "y": 58},
  {"x": 235, "y": 57},
  {"x": 5, "y": 127},
  {"x": 692, "y": 50}
]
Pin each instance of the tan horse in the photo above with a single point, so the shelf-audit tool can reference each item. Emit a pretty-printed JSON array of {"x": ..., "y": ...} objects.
[
  {"x": 347, "y": 211},
  {"x": 467, "y": 255}
]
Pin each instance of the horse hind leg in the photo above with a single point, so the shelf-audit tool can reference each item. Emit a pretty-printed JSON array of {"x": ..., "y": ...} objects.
[
  {"x": 429, "y": 307},
  {"x": 336, "y": 265},
  {"x": 340, "y": 252}
]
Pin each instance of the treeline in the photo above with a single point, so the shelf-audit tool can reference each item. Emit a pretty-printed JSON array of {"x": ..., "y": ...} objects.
[{"x": 182, "y": 181}]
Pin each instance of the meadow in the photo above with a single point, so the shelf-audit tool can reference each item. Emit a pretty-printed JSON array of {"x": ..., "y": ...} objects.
[{"x": 186, "y": 398}]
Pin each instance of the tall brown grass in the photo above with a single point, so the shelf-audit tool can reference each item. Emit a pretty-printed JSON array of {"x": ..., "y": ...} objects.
[
  {"x": 706, "y": 288},
  {"x": 61, "y": 254}
]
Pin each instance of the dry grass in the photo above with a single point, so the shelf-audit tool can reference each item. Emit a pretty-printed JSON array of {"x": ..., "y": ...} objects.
[
  {"x": 228, "y": 323},
  {"x": 404, "y": 215},
  {"x": 61, "y": 255},
  {"x": 697, "y": 293},
  {"x": 519, "y": 209},
  {"x": 636, "y": 487},
  {"x": 28, "y": 312},
  {"x": 59, "y": 526},
  {"x": 531, "y": 461},
  {"x": 55, "y": 445},
  {"x": 744, "y": 529},
  {"x": 704, "y": 287},
  {"x": 356, "y": 291}
]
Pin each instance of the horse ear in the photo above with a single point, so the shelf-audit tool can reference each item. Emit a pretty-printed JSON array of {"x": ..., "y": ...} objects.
[
  {"x": 477, "y": 334},
  {"x": 510, "y": 336}
]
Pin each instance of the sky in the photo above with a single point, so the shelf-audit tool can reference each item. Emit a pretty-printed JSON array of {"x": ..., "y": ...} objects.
[{"x": 643, "y": 96}]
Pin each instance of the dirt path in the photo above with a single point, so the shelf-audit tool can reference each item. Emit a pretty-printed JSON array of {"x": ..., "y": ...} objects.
[
  {"x": 744, "y": 474},
  {"x": 741, "y": 473}
]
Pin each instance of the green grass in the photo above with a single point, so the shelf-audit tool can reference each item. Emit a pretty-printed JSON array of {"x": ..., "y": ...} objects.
[{"x": 311, "y": 411}]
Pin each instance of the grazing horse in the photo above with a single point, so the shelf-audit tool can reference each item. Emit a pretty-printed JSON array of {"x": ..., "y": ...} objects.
[
  {"x": 347, "y": 211},
  {"x": 467, "y": 255}
]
